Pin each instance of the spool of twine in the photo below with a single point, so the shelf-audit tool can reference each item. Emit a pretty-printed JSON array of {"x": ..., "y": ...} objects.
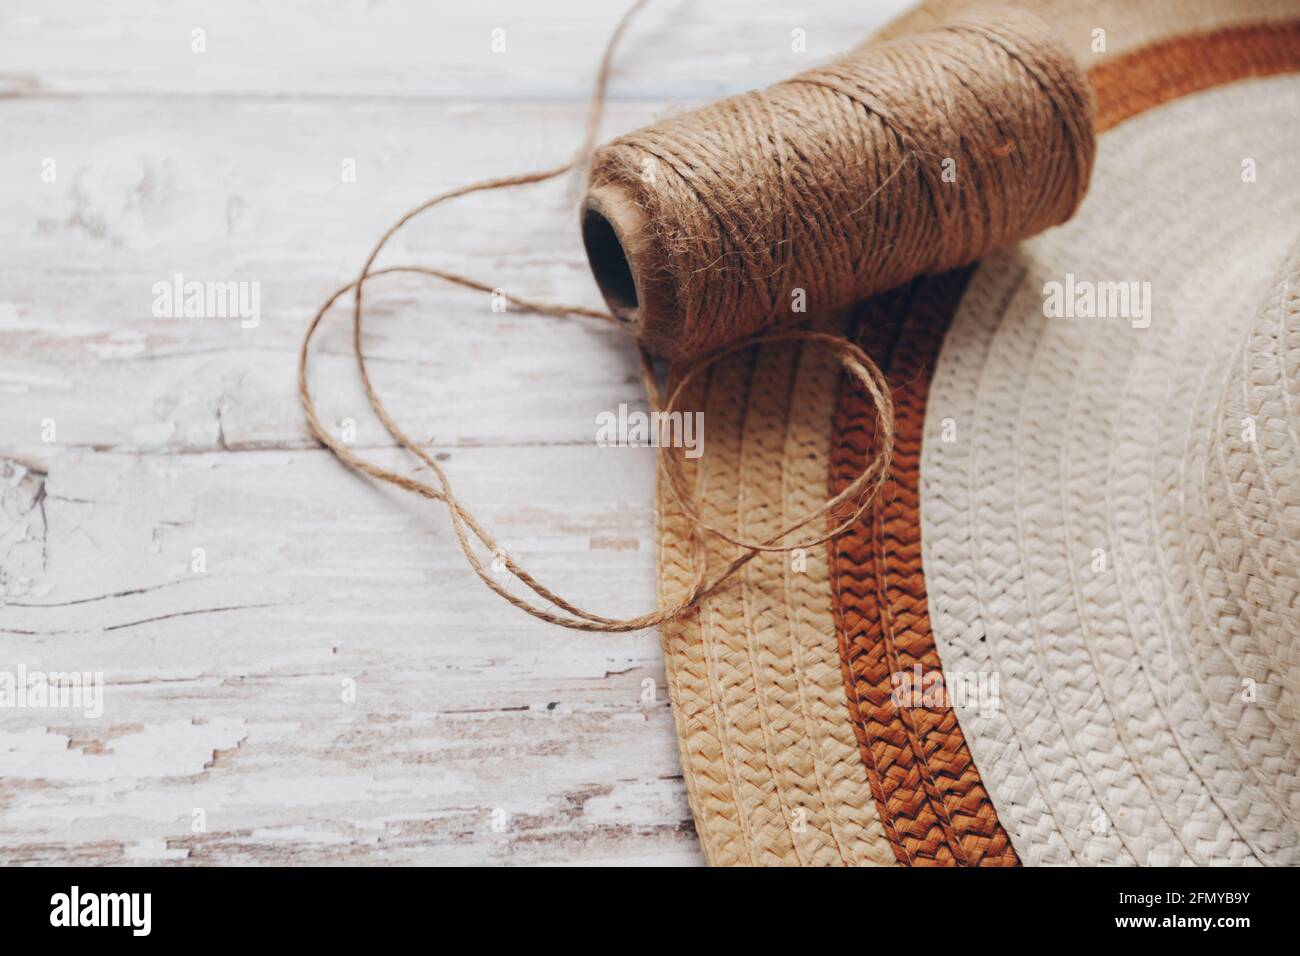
[
  {"x": 899, "y": 159},
  {"x": 709, "y": 232}
]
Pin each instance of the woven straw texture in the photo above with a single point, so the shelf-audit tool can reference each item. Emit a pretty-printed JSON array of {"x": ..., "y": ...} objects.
[
  {"x": 1125, "y": 736},
  {"x": 934, "y": 806},
  {"x": 790, "y": 752}
]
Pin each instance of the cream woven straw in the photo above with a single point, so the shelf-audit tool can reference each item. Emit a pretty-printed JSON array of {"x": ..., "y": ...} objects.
[
  {"x": 1114, "y": 534},
  {"x": 1100, "y": 511}
]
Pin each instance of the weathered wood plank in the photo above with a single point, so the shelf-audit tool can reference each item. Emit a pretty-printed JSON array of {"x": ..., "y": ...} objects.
[
  {"x": 224, "y": 688},
  {"x": 217, "y": 199},
  {"x": 128, "y": 440},
  {"x": 173, "y": 434},
  {"x": 439, "y": 48}
]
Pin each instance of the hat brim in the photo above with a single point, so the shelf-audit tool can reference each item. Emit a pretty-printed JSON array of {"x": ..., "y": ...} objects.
[{"x": 792, "y": 748}]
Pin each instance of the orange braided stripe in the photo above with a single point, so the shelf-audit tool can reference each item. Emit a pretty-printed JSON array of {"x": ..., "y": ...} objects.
[
  {"x": 932, "y": 801},
  {"x": 929, "y": 793}
]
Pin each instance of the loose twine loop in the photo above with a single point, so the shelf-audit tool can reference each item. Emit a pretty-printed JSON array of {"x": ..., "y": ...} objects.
[
  {"x": 767, "y": 238},
  {"x": 466, "y": 527}
]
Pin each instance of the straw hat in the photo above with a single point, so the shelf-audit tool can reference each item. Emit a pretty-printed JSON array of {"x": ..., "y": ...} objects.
[{"x": 1068, "y": 630}]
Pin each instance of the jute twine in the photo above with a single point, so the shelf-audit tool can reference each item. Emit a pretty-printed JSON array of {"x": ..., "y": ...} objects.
[
  {"x": 771, "y": 201},
  {"x": 901, "y": 159}
]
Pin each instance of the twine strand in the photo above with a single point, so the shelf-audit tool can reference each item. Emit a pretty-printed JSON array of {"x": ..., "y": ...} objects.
[
  {"x": 466, "y": 527},
  {"x": 831, "y": 180}
]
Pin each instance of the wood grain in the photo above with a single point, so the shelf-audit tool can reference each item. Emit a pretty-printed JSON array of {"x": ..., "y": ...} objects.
[{"x": 476, "y": 735}]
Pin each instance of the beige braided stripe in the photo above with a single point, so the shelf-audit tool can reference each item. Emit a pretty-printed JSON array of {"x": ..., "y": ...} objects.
[{"x": 759, "y": 697}]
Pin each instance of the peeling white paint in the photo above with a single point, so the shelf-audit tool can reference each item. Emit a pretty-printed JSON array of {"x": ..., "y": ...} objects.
[{"x": 177, "y": 749}]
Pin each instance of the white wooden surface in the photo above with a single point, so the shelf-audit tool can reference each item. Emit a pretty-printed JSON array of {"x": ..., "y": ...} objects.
[{"x": 224, "y": 689}]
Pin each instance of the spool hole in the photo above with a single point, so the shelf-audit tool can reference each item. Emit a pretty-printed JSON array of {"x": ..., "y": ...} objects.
[{"x": 609, "y": 265}]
